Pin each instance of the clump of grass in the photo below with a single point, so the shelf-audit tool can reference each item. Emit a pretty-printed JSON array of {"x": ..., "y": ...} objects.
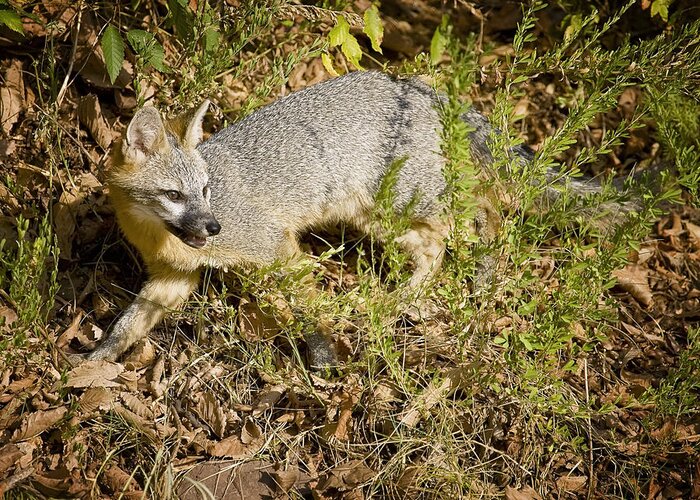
[{"x": 28, "y": 271}]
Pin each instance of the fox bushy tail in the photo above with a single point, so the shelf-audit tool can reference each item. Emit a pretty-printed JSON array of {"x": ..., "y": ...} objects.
[{"x": 605, "y": 215}]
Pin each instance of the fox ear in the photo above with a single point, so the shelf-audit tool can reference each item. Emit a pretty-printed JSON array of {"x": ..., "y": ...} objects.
[
  {"x": 145, "y": 135},
  {"x": 194, "y": 132}
]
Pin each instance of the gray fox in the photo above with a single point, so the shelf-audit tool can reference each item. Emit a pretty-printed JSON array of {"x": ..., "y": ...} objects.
[{"x": 243, "y": 197}]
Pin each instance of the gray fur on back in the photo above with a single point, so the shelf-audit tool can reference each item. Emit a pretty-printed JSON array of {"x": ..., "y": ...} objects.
[{"x": 318, "y": 155}]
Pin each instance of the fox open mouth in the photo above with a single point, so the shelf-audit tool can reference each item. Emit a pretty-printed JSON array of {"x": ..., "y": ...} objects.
[
  {"x": 193, "y": 241},
  {"x": 189, "y": 239}
]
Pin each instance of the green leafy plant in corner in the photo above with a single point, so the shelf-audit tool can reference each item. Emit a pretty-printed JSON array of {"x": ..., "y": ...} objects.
[{"x": 10, "y": 17}]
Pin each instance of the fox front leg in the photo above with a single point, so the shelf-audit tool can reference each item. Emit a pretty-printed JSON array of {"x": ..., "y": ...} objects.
[{"x": 165, "y": 290}]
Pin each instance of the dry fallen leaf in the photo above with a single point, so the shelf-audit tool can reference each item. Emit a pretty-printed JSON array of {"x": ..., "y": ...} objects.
[
  {"x": 120, "y": 482},
  {"x": 694, "y": 234},
  {"x": 346, "y": 476},
  {"x": 286, "y": 479},
  {"x": 71, "y": 332},
  {"x": 135, "y": 404},
  {"x": 35, "y": 423},
  {"x": 7, "y": 317},
  {"x": 524, "y": 493},
  {"x": 268, "y": 397},
  {"x": 229, "y": 480},
  {"x": 142, "y": 425},
  {"x": 254, "y": 323},
  {"x": 245, "y": 445},
  {"x": 142, "y": 354},
  {"x": 633, "y": 279},
  {"x": 9, "y": 454},
  {"x": 628, "y": 101},
  {"x": 343, "y": 427},
  {"x": 95, "y": 398},
  {"x": 211, "y": 412},
  {"x": 95, "y": 374},
  {"x": 12, "y": 97},
  {"x": 64, "y": 220},
  {"x": 53, "y": 484},
  {"x": 572, "y": 484},
  {"x": 90, "y": 114}
]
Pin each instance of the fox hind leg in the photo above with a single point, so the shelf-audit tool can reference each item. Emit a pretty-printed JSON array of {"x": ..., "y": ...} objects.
[{"x": 425, "y": 242}]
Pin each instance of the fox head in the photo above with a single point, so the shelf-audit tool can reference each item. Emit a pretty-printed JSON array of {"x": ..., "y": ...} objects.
[{"x": 162, "y": 176}]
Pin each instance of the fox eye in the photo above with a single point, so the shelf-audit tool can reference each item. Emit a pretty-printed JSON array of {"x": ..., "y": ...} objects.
[
  {"x": 174, "y": 195},
  {"x": 205, "y": 191}
]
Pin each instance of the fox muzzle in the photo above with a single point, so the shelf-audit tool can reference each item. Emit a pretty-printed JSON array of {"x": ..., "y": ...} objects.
[{"x": 194, "y": 230}]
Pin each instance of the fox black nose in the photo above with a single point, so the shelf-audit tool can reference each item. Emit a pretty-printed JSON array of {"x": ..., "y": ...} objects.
[{"x": 213, "y": 228}]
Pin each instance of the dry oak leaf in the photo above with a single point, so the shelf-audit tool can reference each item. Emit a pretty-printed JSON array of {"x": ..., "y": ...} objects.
[
  {"x": 211, "y": 412},
  {"x": 346, "y": 476},
  {"x": 524, "y": 493},
  {"x": 95, "y": 374},
  {"x": 11, "y": 97},
  {"x": 269, "y": 397},
  {"x": 120, "y": 482},
  {"x": 95, "y": 398},
  {"x": 37, "y": 422},
  {"x": 135, "y": 404},
  {"x": 694, "y": 234},
  {"x": 9, "y": 454},
  {"x": 249, "y": 442},
  {"x": 90, "y": 115},
  {"x": 572, "y": 484},
  {"x": 633, "y": 279}
]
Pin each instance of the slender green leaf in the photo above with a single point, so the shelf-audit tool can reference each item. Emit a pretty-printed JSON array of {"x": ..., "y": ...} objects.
[
  {"x": 374, "y": 28},
  {"x": 113, "y": 48},
  {"x": 437, "y": 46},
  {"x": 328, "y": 64}
]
